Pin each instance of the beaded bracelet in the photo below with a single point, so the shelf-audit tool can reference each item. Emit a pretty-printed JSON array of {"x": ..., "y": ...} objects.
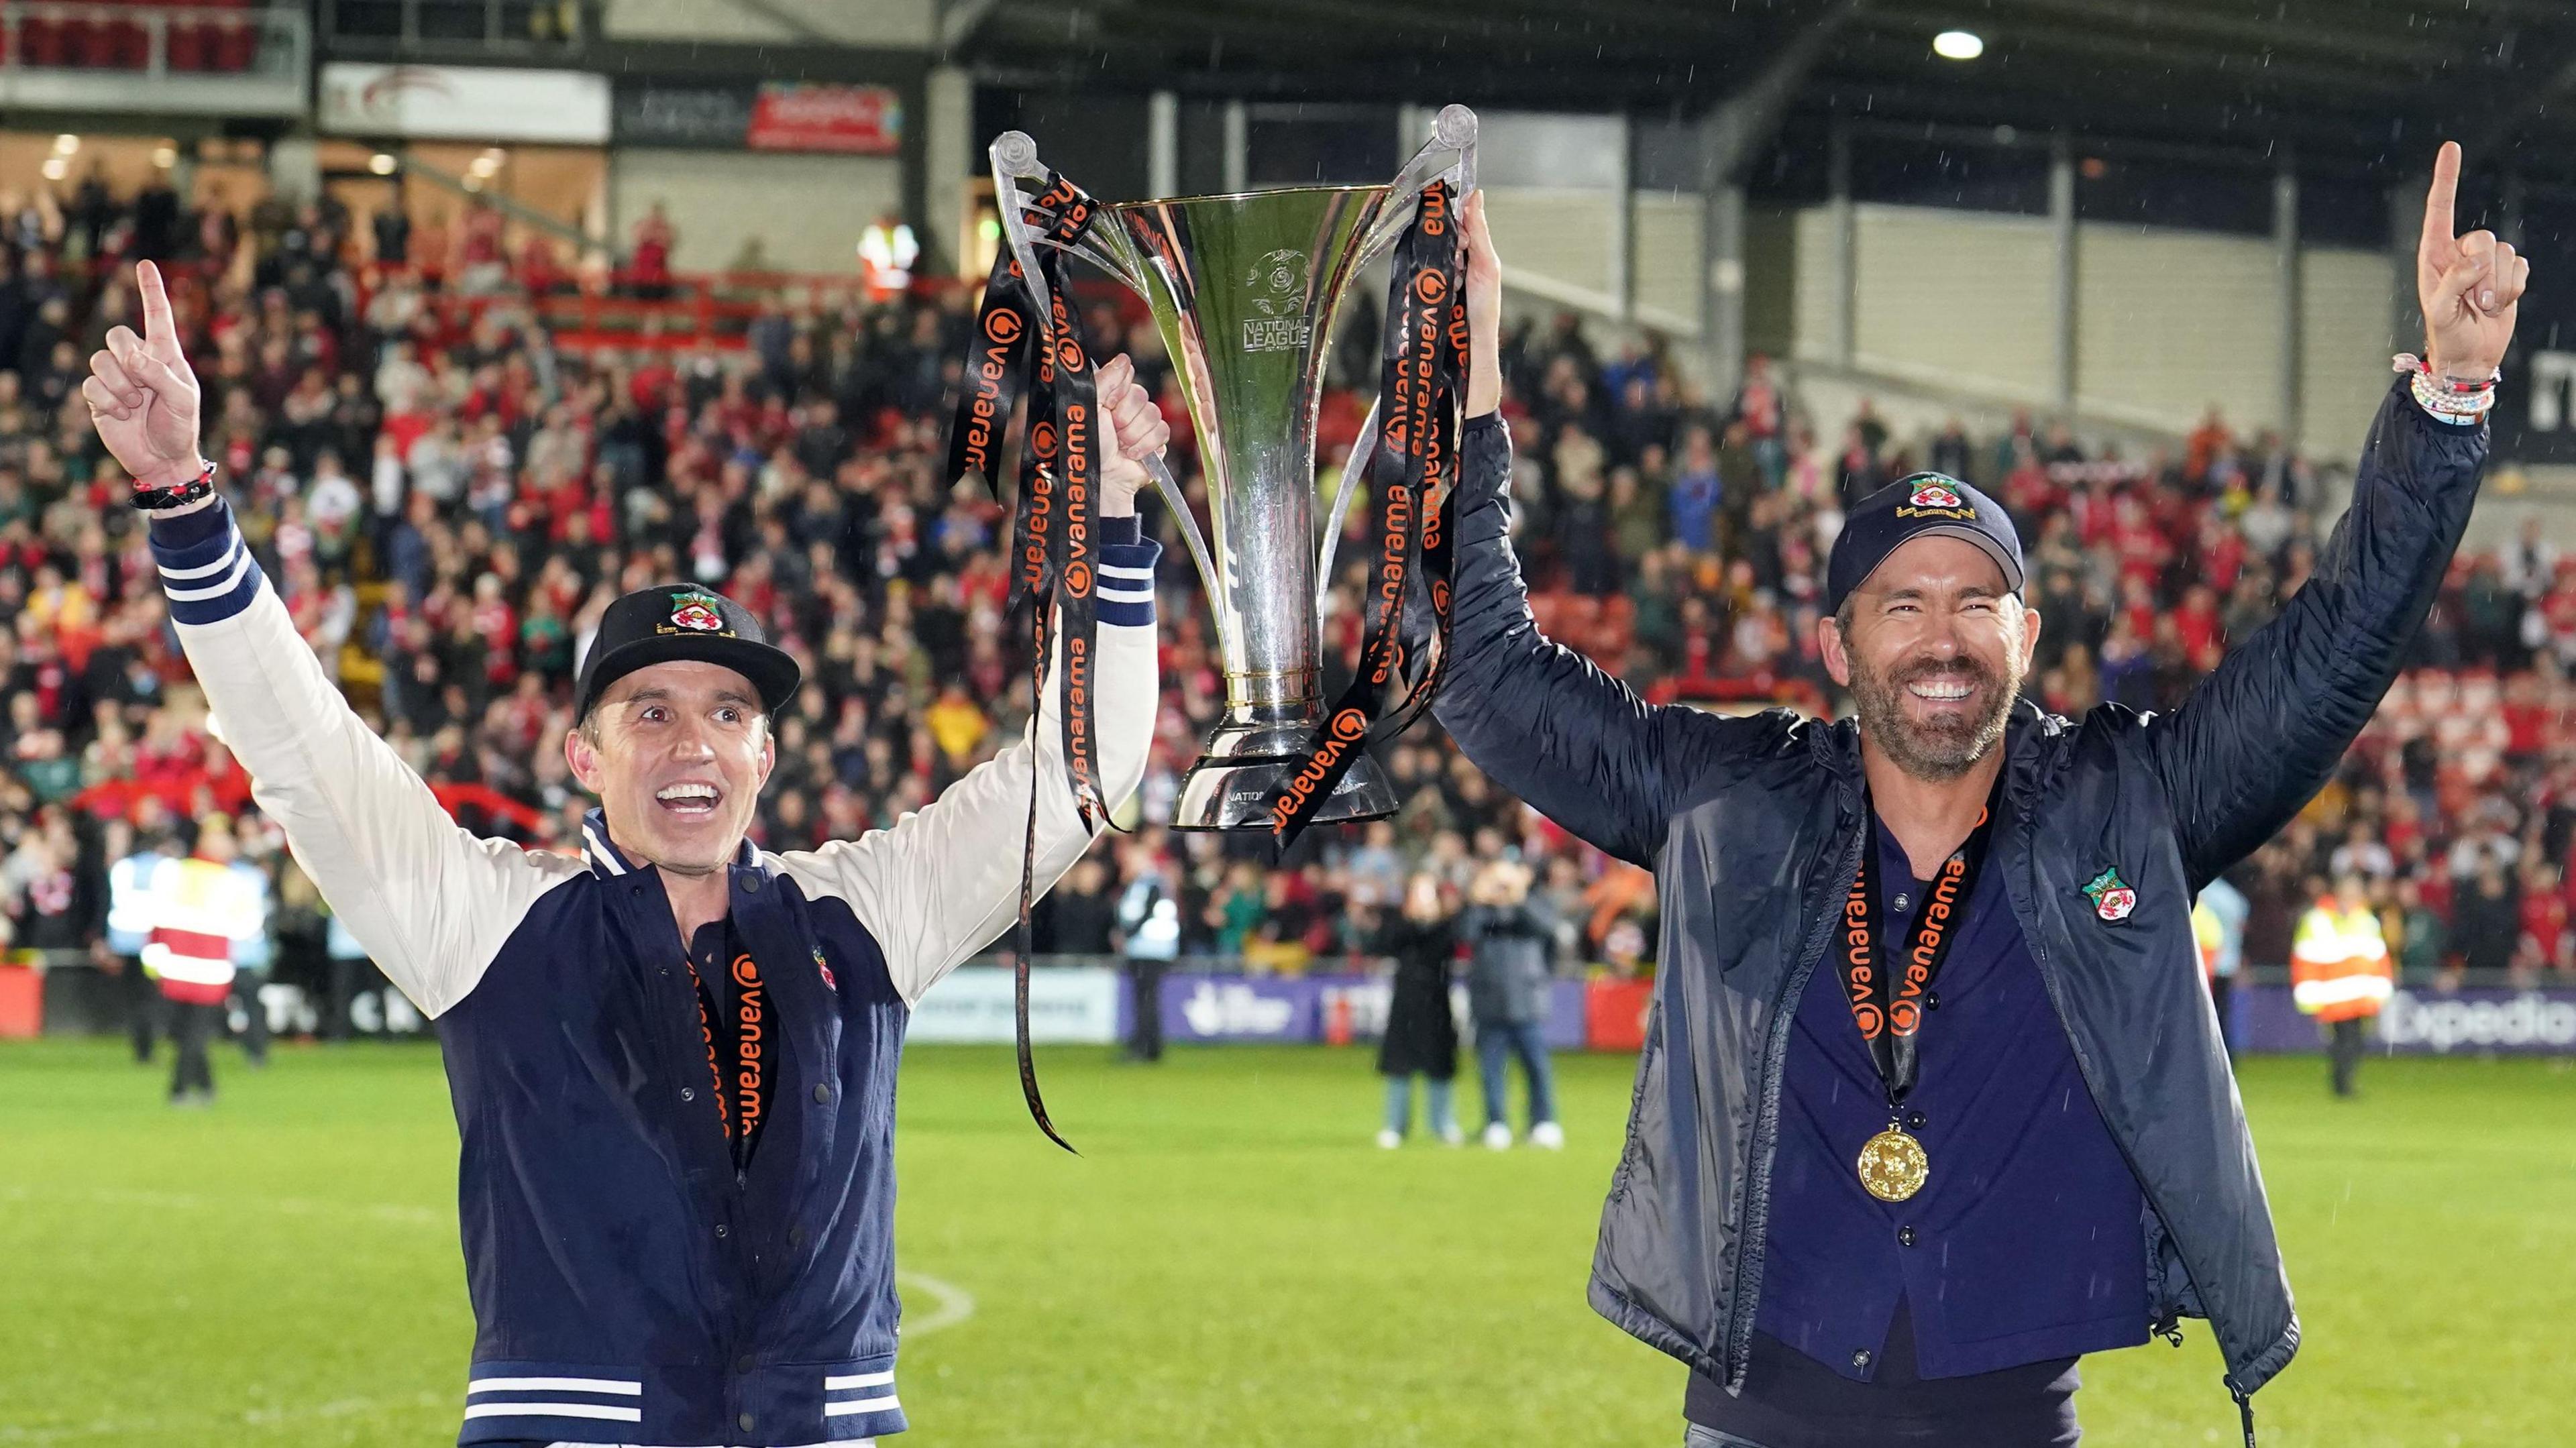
[
  {"x": 2452, "y": 400},
  {"x": 176, "y": 495}
]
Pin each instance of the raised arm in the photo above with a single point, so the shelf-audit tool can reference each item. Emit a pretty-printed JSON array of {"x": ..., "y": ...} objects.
[
  {"x": 2256, "y": 740},
  {"x": 431, "y": 902},
  {"x": 1544, "y": 721},
  {"x": 944, "y": 881}
]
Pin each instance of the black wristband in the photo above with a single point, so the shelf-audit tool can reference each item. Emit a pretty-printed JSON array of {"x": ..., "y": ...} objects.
[{"x": 177, "y": 495}]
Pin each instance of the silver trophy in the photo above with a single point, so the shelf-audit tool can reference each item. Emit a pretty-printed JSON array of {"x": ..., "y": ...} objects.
[{"x": 1246, "y": 289}]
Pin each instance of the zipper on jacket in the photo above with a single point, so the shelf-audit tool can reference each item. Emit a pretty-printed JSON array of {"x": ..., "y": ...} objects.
[
  {"x": 1756, "y": 1214},
  {"x": 2084, "y": 1067}
]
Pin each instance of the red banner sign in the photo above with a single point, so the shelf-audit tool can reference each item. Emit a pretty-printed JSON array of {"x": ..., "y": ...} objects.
[
  {"x": 1614, "y": 1013},
  {"x": 863, "y": 120}
]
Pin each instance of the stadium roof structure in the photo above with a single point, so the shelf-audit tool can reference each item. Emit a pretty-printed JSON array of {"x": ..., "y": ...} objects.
[{"x": 2344, "y": 83}]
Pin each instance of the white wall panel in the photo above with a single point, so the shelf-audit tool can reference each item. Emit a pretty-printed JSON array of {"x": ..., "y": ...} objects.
[
  {"x": 1953, "y": 296},
  {"x": 1553, "y": 240},
  {"x": 1812, "y": 285},
  {"x": 807, "y": 210},
  {"x": 2345, "y": 309},
  {"x": 1668, "y": 229},
  {"x": 2170, "y": 322}
]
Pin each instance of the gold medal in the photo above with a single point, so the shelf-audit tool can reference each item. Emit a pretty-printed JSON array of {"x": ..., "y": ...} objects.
[{"x": 1893, "y": 1166}]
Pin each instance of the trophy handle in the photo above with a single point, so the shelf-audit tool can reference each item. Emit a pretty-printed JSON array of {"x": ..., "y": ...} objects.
[
  {"x": 1015, "y": 158},
  {"x": 1450, "y": 155},
  {"x": 1187, "y": 525},
  {"x": 1352, "y": 467}
]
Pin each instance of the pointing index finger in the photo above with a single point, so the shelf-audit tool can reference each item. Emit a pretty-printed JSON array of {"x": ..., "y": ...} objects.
[
  {"x": 159, "y": 329},
  {"x": 2439, "y": 226}
]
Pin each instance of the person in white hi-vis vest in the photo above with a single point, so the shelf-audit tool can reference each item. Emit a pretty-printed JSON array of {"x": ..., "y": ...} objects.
[
  {"x": 2339, "y": 972},
  {"x": 202, "y": 908}
]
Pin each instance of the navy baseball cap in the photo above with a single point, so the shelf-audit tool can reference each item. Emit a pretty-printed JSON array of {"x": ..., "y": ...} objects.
[
  {"x": 1922, "y": 505},
  {"x": 681, "y": 621}
]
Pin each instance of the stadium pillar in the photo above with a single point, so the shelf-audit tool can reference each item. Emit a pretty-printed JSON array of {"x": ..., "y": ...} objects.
[
  {"x": 2285, "y": 251},
  {"x": 1841, "y": 264},
  {"x": 1723, "y": 144},
  {"x": 1623, "y": 223},
  {"x": 948, "y": 159},
  {"x": 1238, "y": 148},
  {"x": 2062, "y": 239},
  {"x": 1163, "y": 144}
]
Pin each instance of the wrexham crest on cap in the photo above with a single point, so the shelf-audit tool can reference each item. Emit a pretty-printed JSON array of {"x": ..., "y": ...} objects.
[
  {"x": 1937, "y": 497},
  {"x": 2112, "y": 898},
  {"x": 698, "y": 611}
]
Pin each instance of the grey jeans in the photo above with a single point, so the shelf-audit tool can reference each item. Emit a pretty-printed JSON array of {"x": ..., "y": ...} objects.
[{"x": 1699, "y": 1437}]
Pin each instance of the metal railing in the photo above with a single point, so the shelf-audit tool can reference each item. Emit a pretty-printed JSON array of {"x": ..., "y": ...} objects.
[{"x": 155, "y": 41}]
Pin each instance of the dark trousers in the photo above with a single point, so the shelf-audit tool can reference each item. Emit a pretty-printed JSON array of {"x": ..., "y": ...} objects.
[
  {"x": 192, "y": 1026},
  {"x": 1145, "y": 986},
  {"x": 143, "y": 1008},
  {"x": 254, "y": 1034},
  {"x": 2344, "y": 1046}
]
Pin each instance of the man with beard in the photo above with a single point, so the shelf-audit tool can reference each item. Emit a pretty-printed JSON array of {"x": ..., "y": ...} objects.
[{"x": 1932, "y": 1100}]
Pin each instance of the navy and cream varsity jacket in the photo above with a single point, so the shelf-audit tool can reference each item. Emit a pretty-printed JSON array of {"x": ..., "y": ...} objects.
[{"x": 629, "y": 1285}]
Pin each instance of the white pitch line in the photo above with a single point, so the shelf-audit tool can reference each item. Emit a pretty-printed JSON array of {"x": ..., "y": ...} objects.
[{"x": 955, "y": 1303}]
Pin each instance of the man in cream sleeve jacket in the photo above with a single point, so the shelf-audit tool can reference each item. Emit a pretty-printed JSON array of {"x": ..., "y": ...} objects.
[{"x": 673, "y": 1059}]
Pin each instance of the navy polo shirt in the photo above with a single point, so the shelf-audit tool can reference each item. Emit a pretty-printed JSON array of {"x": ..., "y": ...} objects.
[{"x": 2027, "y": 1242}]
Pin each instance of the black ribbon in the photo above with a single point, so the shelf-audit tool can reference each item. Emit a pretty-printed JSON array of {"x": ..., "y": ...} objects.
[
  {"x": 1023, "y": 349},
  {"x": 1412, "y": 470},
  {"x": 1888, "y": 1004}
]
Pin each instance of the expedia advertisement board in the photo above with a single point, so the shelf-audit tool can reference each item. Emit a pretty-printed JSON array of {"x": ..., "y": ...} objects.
[{"x": 2424, "y": 1023}]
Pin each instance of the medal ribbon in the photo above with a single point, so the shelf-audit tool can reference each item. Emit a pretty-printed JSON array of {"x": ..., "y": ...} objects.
[
  {"x": 1021, "y": 349},
  {"x": 1887, "y": 1004},
  {"x": 1414, "y": 453}
]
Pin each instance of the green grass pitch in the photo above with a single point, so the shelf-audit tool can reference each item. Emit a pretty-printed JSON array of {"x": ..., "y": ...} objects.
[{"x": 1230, "y": 1262}]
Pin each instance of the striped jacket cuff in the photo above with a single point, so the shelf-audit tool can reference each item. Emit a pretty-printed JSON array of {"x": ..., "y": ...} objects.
[
  {"x": 1126, "y": 590},
  {"x": 206, "y": 567}
]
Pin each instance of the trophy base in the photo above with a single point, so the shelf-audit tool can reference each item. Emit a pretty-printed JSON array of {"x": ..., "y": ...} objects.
[{"x": 1231, "y": 786}]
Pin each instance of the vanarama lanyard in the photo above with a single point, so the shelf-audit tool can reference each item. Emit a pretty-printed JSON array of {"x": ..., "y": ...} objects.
[
  {"x": 742, "y": 1082},
  {"x": 1888, "y": 1004}
]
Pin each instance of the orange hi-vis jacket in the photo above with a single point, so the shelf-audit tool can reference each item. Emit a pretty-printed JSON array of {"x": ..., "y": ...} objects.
[{"x": 2339, "y": 966}]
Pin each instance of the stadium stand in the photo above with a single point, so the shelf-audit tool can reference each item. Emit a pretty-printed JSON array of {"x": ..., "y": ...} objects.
[{"x": 449, "y": 481}]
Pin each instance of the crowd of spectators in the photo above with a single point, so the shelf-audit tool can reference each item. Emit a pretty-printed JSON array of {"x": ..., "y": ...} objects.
[{"x": 446, "y": 501}]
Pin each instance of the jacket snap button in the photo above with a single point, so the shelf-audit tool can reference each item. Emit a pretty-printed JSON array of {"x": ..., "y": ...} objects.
[
  {"x": 742, "y": 1364},
  {"x": 1914, "y": 1122},
  {"x": 1905, "y": 1234},
  {"x": 822, "y": 1095},
  {"x": 722, "y": 1229},
  {"x": 751, "y": 885},
  {"x": 688, "y": 1095},
  {"x": 1904, "y": 902},
  {"x": 1932, "y": 1000},
  {"x": 743, "y": 1421},
  {"x": 1860, "y": 1358}
]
